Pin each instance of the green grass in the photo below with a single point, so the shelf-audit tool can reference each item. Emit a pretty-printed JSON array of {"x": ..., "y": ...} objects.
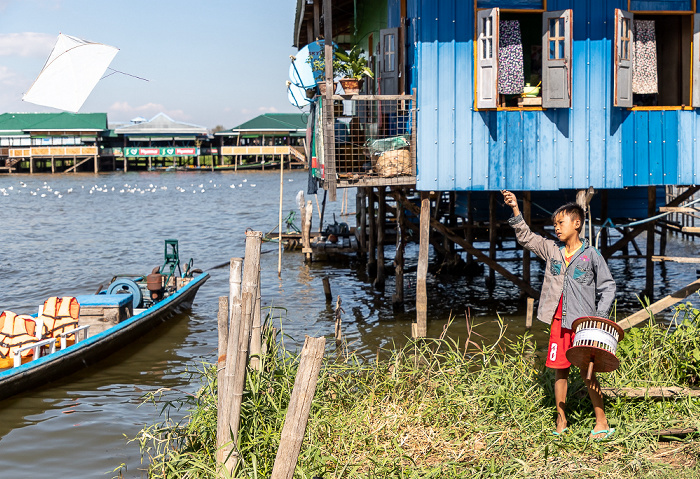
[{"x": 436, "y": 408}]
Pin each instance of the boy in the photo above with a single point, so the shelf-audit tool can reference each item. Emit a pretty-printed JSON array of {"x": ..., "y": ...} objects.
[{"x": 575, "y": 274}]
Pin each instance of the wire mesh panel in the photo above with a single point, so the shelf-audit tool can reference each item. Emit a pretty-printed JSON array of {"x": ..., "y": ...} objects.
[{"x": 374, "y": 140}]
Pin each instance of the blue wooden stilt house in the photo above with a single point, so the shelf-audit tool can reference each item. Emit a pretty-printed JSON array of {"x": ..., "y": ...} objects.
[{"x": 537, "y": 96}]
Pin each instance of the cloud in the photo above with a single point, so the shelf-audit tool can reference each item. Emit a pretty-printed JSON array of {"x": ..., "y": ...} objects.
[
  {"x": 8, "y": 76},
  {"x": 26, "y": 44},
  {"x": 149, "y": 110},
  {"x": 267, "y": 109}
]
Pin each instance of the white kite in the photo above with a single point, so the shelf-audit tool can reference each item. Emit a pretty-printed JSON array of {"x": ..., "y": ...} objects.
[{"x": 71, "y": 72}]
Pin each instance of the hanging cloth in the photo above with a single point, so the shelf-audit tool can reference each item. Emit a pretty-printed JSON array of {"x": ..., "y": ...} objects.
[
  {"x": 511, "y": 73},
  {"x": 645, "y": 78}
]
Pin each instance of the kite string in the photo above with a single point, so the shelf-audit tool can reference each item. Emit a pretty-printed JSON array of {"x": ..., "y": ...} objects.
[{"x": 123, "y": 73}]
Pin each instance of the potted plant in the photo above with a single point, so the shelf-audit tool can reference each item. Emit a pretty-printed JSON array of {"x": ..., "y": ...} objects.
[
  {"x": 354, "y": 68},
  {"x": 318, "y": 68}
]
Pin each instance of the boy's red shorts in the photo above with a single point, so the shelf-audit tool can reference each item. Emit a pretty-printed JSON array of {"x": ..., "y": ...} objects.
[{"x": 560, "y": 340}]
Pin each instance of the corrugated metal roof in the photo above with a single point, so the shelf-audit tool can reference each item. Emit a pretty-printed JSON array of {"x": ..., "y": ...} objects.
[
  {"x": 159, "y": 125},
  {"x": 280, "y": 122},
  {"x": 52, "y": 121}
]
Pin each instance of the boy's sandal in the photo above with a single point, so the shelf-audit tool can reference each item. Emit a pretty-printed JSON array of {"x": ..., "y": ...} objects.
[
  {"x": 563, "y": 431},
  {"x": 608, "y": 433}
]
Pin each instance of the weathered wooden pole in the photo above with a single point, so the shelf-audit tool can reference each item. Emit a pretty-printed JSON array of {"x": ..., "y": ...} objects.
[
  {"x": 299, "y": 408},
  {"x": 420, "y": 328},
  {"x": 256, "y": 330},
  {"x": 251, "y": 284},
  {"x": 651, "y": 210},
  {"x": 279, "y": 226},
  {"x": 224, "y": 455},
  {"x": 528, "y": 315},
  {"x": 491, "y": 281},
  {"x": 306, "y": 230},
  {"x": 527, "y": 216},
  {"x": 338, "y": 321},
  {"x": 223, "y": 328},
  {"x": 362, "y": 193},
  {"x": 372, "y": 247},
  {"x": 381, "y": 224},
  {"x": 327, "y": 289},
  {"x": 397, "y": 298}
]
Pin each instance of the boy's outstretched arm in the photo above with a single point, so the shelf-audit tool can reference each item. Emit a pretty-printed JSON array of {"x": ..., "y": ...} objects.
[
  {"x": 511, "y": 201},
  {"x": 542, "y": 247}
]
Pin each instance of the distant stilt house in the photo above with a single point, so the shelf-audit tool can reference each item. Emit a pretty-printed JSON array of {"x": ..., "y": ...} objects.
[
  {"x": 159, "y": 143},
  {"x": 266, "y": 139},
  {"x": 56, "y": 142},
  {"x": 544, "y": 97}
]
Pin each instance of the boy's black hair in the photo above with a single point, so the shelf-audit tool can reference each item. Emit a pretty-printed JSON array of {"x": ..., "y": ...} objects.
[{"x": 573, "y": 210}]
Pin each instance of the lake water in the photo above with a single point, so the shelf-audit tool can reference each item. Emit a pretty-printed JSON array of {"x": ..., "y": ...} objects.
[{"x": 72, "y": 241}]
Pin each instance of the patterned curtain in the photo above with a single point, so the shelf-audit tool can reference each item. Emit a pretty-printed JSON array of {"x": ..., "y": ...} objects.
[
  {"x": 645, "y": 78},
  {"x": 511, "y": 73}
]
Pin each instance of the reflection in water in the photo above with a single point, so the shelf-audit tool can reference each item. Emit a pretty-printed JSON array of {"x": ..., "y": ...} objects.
[{"x": 72, "y": 244}]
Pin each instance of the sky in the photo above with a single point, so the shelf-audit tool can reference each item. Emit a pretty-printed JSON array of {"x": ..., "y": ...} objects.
[{"x": 208, "y": 62}]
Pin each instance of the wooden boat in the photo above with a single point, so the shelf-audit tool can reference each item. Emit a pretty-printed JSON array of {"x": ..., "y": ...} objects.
[{"x": 109, "y": 320}]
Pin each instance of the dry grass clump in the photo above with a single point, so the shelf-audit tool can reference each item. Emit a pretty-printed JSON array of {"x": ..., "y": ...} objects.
[{"x": 439, "y": 409}]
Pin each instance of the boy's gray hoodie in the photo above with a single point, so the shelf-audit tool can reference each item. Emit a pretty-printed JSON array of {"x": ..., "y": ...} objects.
[{"x": 586, "y": 277}]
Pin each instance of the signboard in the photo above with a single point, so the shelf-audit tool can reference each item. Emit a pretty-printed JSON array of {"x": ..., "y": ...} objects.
[{"x": 166, "y": 151}]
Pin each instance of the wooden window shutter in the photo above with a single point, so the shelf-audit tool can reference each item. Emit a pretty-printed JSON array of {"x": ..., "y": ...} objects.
[
  {"x": 696, "y": 61},
  {"x": 487, "y": 59},
  {"x": 556, "y": 59},
  {"x": 624, "y": 57}
]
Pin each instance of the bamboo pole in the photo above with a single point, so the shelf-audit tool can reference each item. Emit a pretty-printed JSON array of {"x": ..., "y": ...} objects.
[
  {"x": 279, "y": 237},
  {"x": 251, "y": 284},
  {"x": 223, "y": 327},
  {"x": 225, "y": 384},
  {"x": 256, "y": 330},
  {"x": 299, "y": 408}
]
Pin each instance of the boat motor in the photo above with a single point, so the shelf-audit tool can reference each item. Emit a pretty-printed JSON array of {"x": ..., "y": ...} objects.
[{"x": 154, "y": 283}]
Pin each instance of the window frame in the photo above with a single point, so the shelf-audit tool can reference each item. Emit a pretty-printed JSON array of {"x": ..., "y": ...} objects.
[
  {"x": 694, "y": 48},
  {"x": 478, "y": 101}
]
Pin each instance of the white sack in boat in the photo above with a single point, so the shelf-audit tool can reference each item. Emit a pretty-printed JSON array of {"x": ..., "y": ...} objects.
[{"x": 71, "y": 72}]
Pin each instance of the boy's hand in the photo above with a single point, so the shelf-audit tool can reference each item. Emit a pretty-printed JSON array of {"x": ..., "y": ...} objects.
[{"x": 511, "y": 201}]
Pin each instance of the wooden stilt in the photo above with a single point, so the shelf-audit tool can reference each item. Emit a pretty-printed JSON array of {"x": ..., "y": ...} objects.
[
  {"x": 603, "y": 216},
  {"x": 527, "y": 216},
  {"x": 421, "y": 328},
  {"x": 371, "y": 259},
  {"x": 397, "y": 298},
  {"x": 529, "y": 311},
  {"x": 327, "y": 289},
  {"x": 470, "y": 226},
  {"x": 651, "y": 210},
  {"x": 381, "y": 224},
  {"x": 362, "y": 193},
  {"x": 53, "y": 165},
  {"x": 491, "y": 281}
]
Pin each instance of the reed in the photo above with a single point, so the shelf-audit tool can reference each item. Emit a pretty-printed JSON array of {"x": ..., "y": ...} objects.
[{"x": 445, "y": 408}]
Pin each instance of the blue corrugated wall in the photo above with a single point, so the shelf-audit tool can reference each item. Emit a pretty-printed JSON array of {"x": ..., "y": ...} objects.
[{"x": 593, "y": 143}]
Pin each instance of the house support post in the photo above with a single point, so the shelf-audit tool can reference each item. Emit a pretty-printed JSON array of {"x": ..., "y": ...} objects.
[
  {"x": 397, "y": 298},
  {"x": 651, "y": 210},
  {"x": 362, "y": 194},
  {"x": 381, "y": 223},
  {"x": 371, "y": 259},
  {"x": 493, "y": 231},
  {"x": 527, "y": 216},
  {"x": 420, "y": 327}
]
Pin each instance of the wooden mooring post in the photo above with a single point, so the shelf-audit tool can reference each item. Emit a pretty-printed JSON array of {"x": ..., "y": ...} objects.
[
  {"x": 397, "y": 299},
  {"x": 299, "y": 407},
  {"x": 244, "y": 302},
  {"x": 420, "y": 327}
]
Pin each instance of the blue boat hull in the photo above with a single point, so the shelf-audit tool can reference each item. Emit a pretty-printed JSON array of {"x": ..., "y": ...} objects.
[{"x": 80, "y": 355}]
